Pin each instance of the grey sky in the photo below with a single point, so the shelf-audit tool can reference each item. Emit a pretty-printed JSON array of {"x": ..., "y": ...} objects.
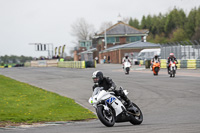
[{"x": 49, "y": 21}]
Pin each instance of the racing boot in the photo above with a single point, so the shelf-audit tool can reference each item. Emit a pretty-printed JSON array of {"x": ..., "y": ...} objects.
[
  {"x": 168, "y": 70},
  {"x": 130, "y": 106}
]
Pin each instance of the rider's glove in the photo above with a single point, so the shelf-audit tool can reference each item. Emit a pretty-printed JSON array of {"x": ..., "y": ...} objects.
[{"x": 111, "y": 88}]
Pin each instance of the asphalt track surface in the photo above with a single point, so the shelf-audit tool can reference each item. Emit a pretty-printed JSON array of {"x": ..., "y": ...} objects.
[{"x": 169, "y": 105}]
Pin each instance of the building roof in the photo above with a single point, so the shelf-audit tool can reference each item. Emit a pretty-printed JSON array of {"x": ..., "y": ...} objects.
[
  {"x": 122, "y": 28},
  {"x": 133, "y": 45},
  {"x": 88, "y": 51}
]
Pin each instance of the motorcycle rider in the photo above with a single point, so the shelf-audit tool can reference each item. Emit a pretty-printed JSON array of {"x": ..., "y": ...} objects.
[
  {"x": 155, "y": 58},
  {"x": 171, "y": 58},
  {"x": 109, "y": 85},
  {"x": 126, "y": 59}
]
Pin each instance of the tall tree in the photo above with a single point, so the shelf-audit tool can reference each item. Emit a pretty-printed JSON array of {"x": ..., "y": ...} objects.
[
  {"x": 179, "y": 35},
  {"x": 130, "y": 22},
  {"x": 175, "y": 19},
  {"x": 196, "y": 35},
  {"x": 143, "y": 23},
  {"x": 190, "y": 24},
  {"x": 134, "y": 23},
  {"x": 149, "y": 22}
]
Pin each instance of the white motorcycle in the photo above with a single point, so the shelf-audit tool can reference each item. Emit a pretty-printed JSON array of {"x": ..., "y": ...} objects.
[
  {"x": 127, "y": 66},
  {"x": 172, "y": 68},
  {"x": 111, "y": 108}
]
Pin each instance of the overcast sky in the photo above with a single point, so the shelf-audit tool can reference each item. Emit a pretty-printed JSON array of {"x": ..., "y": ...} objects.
[{"x": 49, "y": 21}]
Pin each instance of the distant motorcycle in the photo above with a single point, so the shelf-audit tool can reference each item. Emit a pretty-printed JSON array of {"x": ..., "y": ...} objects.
[
  {"x": 156, "y": 67},
  {"x": 127, "y": 66},
  {"x": 111, "y": 108},
  {"x": 172, "y": 68}
]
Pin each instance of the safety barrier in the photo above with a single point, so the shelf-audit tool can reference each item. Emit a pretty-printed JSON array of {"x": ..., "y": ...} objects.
[
  {"x": 72, "y": 64},
  {"x": 198, "y": 63},
  {"x": 52, "y": 63},
  {"x": 179, "y": 64},
  {"x": 44, "y": 63},
  {"x": 191, "y": 64},
  {"x": 163, "y": 63},
  {"x": 183, "y": 63},
  {"x": 27, "y": 64},
  {"x": 141, "y": 62},
  {"x": 8, "y": 66}
]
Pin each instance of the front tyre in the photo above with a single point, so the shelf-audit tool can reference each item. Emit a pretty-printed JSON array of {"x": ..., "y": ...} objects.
[
  {"x": 106, "y": 116},
  {"x": 127, "y": 70},
  {"x": 174, "y": 71},
  {"x": 136, "y": 119},
  {"x": 156, "y": 70}
]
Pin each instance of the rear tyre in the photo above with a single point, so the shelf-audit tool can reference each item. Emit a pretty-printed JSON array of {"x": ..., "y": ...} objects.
[
  {"x": 138, "y": 118},
  {"x": 106, "y": 117}
]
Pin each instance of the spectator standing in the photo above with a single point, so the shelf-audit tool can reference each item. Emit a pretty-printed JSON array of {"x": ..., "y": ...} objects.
[
  {"x": 97, "y": 59},
  {"x": 104, "y": 59},
  {"x": 108, "y": 59}
]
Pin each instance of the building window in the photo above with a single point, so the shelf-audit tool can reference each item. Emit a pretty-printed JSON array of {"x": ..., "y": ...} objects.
[
  {"x": 82, "y": 44},
  {"x": 117, "y": 39},
  {"x": 133, "y": 38},
  {"x": 100, "y": 41},
  {"x": 112, "y": 39}
]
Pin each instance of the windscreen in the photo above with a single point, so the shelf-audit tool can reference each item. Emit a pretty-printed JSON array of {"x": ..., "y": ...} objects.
[{"x": 97, "y": 90}]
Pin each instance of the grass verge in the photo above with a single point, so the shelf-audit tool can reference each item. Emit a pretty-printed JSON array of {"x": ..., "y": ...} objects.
[{"x": 23, "y": 103}]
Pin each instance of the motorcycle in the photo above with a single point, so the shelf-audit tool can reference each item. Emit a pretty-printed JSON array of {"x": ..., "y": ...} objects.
[
  {"x": 156, "y": 67},
  {"x": 172, "y": 68},
  {"x": 126, "y": 67},
  {"x": 111, "y": 109}
]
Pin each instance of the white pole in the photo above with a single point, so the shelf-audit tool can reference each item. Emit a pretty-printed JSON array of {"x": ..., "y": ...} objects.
[{"x": 105, "y": 39}]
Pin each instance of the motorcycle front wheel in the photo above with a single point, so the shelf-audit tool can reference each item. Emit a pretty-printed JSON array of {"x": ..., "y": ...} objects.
[
  {"x": 136, "y": 119},
  {"x": 127, "y": 70},
  {"x": 106, "y": 116},
  {"x": 174, "y": 71},
  {"x": 156, "y": 70}
]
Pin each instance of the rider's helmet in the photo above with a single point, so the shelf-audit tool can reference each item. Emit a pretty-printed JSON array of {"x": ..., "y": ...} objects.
[
  {"x": 171, "y": 54},
  {"x": 126, "y": 56},
  {"x": 97, "y": 77},
  {"x": 156, "y": 56}
]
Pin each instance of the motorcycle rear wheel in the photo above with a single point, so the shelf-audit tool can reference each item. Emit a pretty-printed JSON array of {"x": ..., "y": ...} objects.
[
  {"x": 107, "y": 118},
  {"x": 136, "y": 119}
]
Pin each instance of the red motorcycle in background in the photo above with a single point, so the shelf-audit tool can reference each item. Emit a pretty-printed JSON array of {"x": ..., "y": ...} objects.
[{"x": 156, "y": 67}]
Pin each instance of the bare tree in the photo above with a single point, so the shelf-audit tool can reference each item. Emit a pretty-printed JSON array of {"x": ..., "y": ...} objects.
[
  {"x": 82, "y": 30},
  {"x": 105, "y": 25},
  {"x": 126, "y": 20}
]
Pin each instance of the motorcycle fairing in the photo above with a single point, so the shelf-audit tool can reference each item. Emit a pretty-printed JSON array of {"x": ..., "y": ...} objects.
[
  {"x": 117, "y": 106},
  {"x": 110, "y": 100}
]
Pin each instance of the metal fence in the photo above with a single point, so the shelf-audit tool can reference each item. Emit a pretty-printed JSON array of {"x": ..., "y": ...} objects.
[{"x": 181, "y": 50}]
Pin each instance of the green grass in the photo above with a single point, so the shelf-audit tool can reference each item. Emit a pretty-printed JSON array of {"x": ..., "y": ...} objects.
[{"x": 23, "y": 103}]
